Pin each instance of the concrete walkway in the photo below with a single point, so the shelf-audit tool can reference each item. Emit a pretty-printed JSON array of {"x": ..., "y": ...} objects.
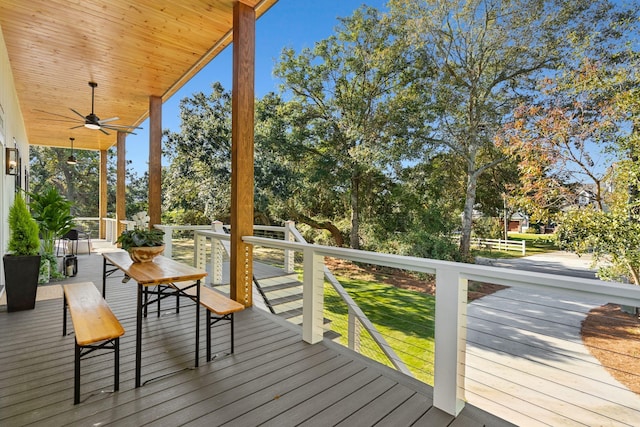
[{"x": 526, "y": 361}]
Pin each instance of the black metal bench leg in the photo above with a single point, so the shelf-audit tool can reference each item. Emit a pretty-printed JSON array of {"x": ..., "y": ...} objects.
[
  {"x": 76, "y": 380},
  {"x": 208, "y": 336},
  {"x": 64, "y": 315},
  {"x": 116, "y": 368},
  {"x": 104, "y": 278},
  {"x": 231, "y": 333}
]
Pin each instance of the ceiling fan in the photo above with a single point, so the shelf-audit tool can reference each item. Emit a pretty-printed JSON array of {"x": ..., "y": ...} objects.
[{"x": 92, "y": 121}]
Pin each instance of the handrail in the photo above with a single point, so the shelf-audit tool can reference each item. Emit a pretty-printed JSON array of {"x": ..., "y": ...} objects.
[
  {"x": 625, "y": 294},
  {"x": 168, "y": 234},
  {"x": 450, "y": 303}
]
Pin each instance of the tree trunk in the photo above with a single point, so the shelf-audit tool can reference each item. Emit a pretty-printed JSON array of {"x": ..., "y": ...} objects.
[
  {"x": 325, "y": 225},
  {"x": 467, "y": 214},
  {"x": 354, "y": 239}
]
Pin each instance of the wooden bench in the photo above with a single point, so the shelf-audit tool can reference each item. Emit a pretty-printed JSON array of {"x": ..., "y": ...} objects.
[
  {"x": 95, "y": 327},
  {"x": 219, "y": 309}
]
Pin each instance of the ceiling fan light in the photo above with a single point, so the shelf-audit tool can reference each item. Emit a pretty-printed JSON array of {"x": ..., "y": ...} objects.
[
  {"x": 92, "y": 126},
  {"x": 72, "y": 159}
]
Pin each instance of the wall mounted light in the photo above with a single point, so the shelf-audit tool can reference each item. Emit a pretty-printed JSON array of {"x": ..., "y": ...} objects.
[{"x": 11, "y": 160}]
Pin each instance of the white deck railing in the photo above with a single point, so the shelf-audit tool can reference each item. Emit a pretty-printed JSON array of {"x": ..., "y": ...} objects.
[
  {"x": 451, "y": 301},
  {"x": 219, "y": 241},
  {"x": 451, "y": 320}
]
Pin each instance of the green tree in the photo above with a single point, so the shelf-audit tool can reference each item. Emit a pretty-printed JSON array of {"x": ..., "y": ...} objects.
[
  {"x": 78, "y": 183},
  {"x": 137, "y": 188},
  {"x": 487, "y": 56},
  {"x": 197, "y": 184},
  {"x": 612, "y": 234},
  {"x": 355, "y": 116},
  {"x": 199, "y": 175}
]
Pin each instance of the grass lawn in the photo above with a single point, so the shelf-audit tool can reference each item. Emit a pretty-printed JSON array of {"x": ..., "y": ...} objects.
[{"x": 404, "y": 318}]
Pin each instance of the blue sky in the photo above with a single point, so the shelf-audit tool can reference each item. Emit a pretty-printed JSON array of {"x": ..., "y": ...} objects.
[{"x": 289, "y": 23}]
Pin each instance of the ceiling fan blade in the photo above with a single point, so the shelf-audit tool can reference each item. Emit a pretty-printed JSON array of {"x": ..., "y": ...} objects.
[
  {"x": 104, "y": 131},
  {"x": 123, "y": 126},
  {"x": 69, "y": 120},
  {"x": 119, "y": 129},
  {"x": 83, "y": 117},
  {"x": 76, "y": 127},
  {"x": 108, "y": 120},
  {"x": 56, "y": 114}
]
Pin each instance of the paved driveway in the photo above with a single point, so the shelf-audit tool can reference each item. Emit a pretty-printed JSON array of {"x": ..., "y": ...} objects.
[
  {"x": 526, "y": 361},
  {"x": 560, "y": 262}
]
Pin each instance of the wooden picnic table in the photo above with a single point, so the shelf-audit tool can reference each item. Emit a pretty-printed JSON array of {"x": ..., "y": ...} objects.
[{"x": 164, "y": 273}]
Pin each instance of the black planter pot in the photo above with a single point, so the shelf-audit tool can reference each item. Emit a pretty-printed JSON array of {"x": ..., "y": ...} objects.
[{"x": 21, "y": 280}]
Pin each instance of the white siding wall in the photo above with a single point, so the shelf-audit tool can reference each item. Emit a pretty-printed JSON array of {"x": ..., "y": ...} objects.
[{"x": 12, "y": 133}]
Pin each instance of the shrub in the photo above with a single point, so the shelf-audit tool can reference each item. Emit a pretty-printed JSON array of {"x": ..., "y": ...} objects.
[
  {"x": 23, "y": 230},
  {"x": 424, "y": 245}
]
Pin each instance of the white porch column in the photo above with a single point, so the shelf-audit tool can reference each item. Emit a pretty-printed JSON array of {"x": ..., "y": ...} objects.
[
  {"x": 313, "y": 296},
  {"x": 450, "y": 339}
]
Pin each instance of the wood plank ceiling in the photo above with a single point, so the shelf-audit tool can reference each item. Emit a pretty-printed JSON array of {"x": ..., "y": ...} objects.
[{"x": 131, "y": 49}]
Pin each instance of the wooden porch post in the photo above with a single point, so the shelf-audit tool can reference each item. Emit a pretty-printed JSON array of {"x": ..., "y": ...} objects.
[
  {"x": 121, "y": 211},
  {"x": 244, "y": 21},
  {"x": 155, "y": 159},
  {"x": 102, "y": 210}
]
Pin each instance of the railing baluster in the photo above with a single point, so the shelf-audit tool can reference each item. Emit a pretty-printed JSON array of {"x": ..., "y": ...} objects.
[
  {"x": 200, "y": 253},
  {"x": 168, "y": 240},
  {"x": 289, "y": 255},
  {"x": 217, "y": 254}
]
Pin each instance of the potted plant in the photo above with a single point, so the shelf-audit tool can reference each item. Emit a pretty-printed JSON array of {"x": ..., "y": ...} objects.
[
  {"x": 52, "y": 212},
  {"x": 142, "y": 243},
  {"x": 22, "y": 262}
]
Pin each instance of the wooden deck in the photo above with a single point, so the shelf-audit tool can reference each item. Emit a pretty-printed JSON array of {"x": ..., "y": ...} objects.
[{"x": 274, "y": 378}]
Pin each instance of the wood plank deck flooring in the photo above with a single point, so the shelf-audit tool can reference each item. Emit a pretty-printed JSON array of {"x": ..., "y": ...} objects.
[{"x": 272, "y": 379}]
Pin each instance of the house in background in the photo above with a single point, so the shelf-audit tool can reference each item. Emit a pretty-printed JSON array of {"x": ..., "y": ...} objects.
[{"x": 518, "y": 223}]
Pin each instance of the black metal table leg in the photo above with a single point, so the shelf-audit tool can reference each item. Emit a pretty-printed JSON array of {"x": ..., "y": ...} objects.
[
  {"x": 139, "y": 336},
  {"x": 208, "y": 336},
  {"x": 146, "y": 301},
  {"x": 160, "y": 289},
  {"x": 197, "y": 321}
]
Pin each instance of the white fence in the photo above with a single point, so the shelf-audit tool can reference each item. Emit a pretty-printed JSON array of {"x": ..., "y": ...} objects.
[{"x": 500, "y": 245}]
